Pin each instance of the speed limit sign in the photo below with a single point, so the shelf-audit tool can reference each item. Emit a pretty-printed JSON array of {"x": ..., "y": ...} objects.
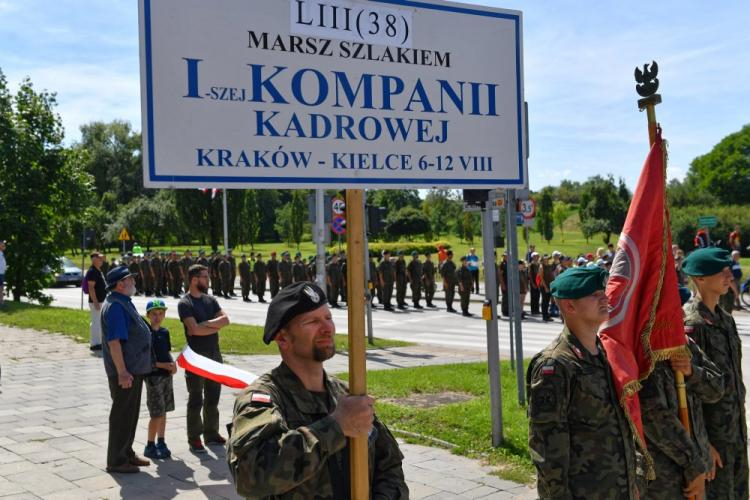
[
  {"x": 527, "y": 208},
  {"x": 338, "y": 206}
]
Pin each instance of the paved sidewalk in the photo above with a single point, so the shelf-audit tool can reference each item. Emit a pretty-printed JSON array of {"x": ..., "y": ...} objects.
[{"x": 54, "y": 406}]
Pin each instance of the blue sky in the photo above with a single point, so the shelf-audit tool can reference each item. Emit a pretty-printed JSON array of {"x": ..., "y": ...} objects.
[{"x": 579, "y": 61}]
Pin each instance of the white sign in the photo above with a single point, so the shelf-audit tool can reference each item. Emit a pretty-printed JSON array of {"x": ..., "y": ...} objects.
[
  {"x": 342, "y": 93},
  {"x": 338, "y": 206}
]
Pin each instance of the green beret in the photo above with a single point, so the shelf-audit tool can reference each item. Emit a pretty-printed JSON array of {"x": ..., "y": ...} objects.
[
  {"x": 414, "y": 253},
  {"x": 707, "y": 261},
  {"x": 579, "y": 282}
]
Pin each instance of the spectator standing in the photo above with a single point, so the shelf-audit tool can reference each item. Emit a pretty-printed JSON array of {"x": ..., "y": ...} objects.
[
  {"x": 472, "y": 262},
  {"x": 127, "y": 359},
  {"x": 202, "y": 317},
  {"x": 535, "y": 279},
  {"x": 734, "y": 239},
  {"x": 97, "y": 293}
]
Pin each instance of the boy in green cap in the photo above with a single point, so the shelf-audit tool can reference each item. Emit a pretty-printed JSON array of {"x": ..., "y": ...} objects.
[
  {"x": 714, "y": 330},
  {"x": 579, "y": 438},
  {"x": 159, "y": 391}
]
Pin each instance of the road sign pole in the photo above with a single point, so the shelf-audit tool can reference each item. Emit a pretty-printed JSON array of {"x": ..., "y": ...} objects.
[
  {"x": 83, "y": 262},
  {"x": 368, "y": 278},
  {"x": 226, "y": 225},
  {"x": 510, "y": 225},
  {"x": 356, "y": 305},
  {"x": 515, "y": 294},
  {"x": 493, "y": 344},
  {"x": 320, "y": 264}
]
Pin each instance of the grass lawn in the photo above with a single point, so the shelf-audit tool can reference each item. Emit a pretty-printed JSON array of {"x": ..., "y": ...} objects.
[
  {"x": 234, "y": 339},
  {"x": 466, "y": 424}
]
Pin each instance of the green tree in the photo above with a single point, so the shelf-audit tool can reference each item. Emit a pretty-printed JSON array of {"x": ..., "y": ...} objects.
[
  {"x": 408, "y": 221},
  {"x": 113, "y": 158},
  {"x": 467, "y": 227},
  {"x": 686, "y": 194},
  {"x": 41, "y": 186},
  {"x": 442, "y": 208},
  {"x": 148, "y": 220},
  {"x": 560, "y": 213},
  {"x": 298, "y": 212},
  {"x": 569, "y": 192},
  {"x": 603, "y": 201},
  {"x": 200, "y": 215},
  {"x": 394, "y": 199},
  {"x": 725, "y": 170},
  {"x": 283, "y": 223},
  {"x": 544, "y": 215},
  {"x": 252, "y": 217}
]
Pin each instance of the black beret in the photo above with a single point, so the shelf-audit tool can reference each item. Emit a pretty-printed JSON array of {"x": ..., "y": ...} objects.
[
  {"x": 707, "y": 261},
  {"x": 579, "y": 282},
  {"x": 295, "y": 299}
]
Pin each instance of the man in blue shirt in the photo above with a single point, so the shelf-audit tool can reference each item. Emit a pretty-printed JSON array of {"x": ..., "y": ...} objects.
[
  {"x": 128, "y": 358},
  {"x": 472, "y": 262}
]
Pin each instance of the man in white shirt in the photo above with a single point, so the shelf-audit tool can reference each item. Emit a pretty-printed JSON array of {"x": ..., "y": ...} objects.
[{"x": 3, "y": 267}]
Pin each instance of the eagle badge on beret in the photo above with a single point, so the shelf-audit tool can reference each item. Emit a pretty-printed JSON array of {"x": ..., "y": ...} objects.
[{"x": 312, "y": 294}]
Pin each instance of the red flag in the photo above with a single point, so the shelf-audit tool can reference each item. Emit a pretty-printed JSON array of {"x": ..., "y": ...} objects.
[{"x": 645, "y": 319}]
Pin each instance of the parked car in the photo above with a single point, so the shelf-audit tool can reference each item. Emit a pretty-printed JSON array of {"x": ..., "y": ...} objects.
[{"x": 69, "y": 273}]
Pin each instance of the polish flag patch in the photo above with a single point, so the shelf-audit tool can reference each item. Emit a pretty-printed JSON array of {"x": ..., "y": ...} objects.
[
  {"x": 259, "y": 397},
  {"x": 548, "y": 370},
  {"x": 688, "y": 329}
]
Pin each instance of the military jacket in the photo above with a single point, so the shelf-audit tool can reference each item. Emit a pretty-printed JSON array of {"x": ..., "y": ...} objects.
[
  {"x": 260, "y": 271},
  {"x": 448, "y": 272},
  {"x": 285, "y": 271},
  {"x": 428, "y": 271},
  {"x": 579, "y": 439},
  {"x": 245, "y": 271},
  {"x": 465, "y": 278},
  {"x": 334, "y": 272},
  {"x": 716, "y": 333},
  {"x": 386, "y": 271},
  {"x": 679, "y": 457},
  {"x": 225, "y": 268},
  {"x": 285, "y": 445},
  {"x": 145, "y": 267},
  {"x": 298, "y": 272},
  {"x": 156, "y": 267},
  {"x": 174, "y": 268},
  {"x": 414, "y": 270},
  {"x": 185, "y": 264},
  {"x": 400, "y": 269},
  {"x": 134, "y": 268},
  {"x": 272, "y": 267}
]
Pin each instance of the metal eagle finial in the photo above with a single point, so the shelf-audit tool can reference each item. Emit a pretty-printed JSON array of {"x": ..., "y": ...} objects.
[{"x": 648, "y": 84}]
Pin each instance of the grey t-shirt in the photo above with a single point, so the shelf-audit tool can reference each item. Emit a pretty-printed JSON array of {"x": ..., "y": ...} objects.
[{"x": 202, "y": 309}]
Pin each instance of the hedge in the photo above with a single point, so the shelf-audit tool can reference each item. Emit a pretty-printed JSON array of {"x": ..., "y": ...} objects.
[
  {"x": 376, "y": 249},
  {"x": 684, "y": 222}
]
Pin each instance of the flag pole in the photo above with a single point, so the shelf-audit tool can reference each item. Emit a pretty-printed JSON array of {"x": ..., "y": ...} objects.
[
  {"x": 647, "y": 85},
  {"x": 355, "y": 270}
]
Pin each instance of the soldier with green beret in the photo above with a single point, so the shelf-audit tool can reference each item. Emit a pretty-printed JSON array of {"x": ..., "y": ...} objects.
[
  {"x": 260, "y": 270},
  {"x": 579, "y": 438},
  {"x": 290, "y": 426},
  {"x": 715, "y": 331},
  {"x": 298, "y": 269},
  {"x": 450, "y": 280},
  {"x": 428, "y": 279},
  {"x": 387, "y": 276},
  {"x": 333, "y": 277},
  {"x": 465, "y": 284},
  {"x": 401, "y": 280},
  {"x": 285, "y": 270},
  {"x": 246, "y": 278},
  {"x": 225, "y": 271},
  {"x": 272, "y": 270},
  {"x": 414, "y": 275}
]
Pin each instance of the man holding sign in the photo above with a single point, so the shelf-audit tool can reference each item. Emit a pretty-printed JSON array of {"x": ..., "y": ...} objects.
[{"x": 290, "y": 426}]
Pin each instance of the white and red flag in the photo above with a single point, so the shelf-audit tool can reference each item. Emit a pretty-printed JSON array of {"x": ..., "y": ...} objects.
[{"x": 227, "y": 375}]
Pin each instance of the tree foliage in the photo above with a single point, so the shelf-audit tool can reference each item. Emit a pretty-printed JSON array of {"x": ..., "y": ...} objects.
[
  {"x": 603, "y": 206},
  {"x": 42, "y": 186},
  {"x": 725, "y": 170},
  {"x": 544, "y": 215},
  {"x": 407, "y": 221},
  {"x": 442, "y": 208},
  {"x": 560, "y": 213}
]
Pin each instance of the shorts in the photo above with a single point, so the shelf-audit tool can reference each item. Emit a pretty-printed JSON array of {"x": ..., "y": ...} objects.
[{"x": 159, "y": 395}]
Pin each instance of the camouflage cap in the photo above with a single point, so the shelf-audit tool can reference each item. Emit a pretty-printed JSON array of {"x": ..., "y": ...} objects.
[
  {"x": 579, "y": 282},
  {"x": 295, "y": 299},
  {"x": 707, "y": 261}
]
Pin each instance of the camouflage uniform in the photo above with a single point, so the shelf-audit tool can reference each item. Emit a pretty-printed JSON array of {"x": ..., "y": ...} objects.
[
  {"x": 414, "y": 274},
  {"x": 448, "y": 272},
  {"x": 298, "y": 271},
  {"x": 679, "y": 457},
  {"x": 272, "y": 268},
  {"x": 387, "y": 276},
  {"x": 400, "y": 282},
  {"x": 185, "y": 263},
  {"x": 333, "y": 272},
  {"x": 285, "y": 272},
  {"x": 135, "y": 268},
  {"x": 246, "y": 278},
  {"x": 579, "y": 438},
  {"x": 428, "y": 280},
  {"x": 465, "y": 281},
  {"x": 157, "y": 268},
  {"x": 716, "y": 333},
  {"x": 233, "y": 272},
  {"x": 148, "y": 277},
  {"x": 285, "y": 445},
  {"x": 225, "y": 271},
  {"x": 260, "y": 269}
]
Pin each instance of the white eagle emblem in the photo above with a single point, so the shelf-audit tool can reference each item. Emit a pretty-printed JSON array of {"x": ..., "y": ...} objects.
[{"x": 312, "y": 294}]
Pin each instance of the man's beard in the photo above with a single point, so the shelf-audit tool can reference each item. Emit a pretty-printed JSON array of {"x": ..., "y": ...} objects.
[
  {"x": 202, "y": 288},
  {"x": 129, "y": 291},
  {"x": 321, "y": 354}
]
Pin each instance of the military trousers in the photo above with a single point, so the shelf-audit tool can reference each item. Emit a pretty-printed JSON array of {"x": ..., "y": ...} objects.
[
  {"x": 260, "y": 289},
  {"x": 416, "y": 293},
  {"x": 227, "y": 284},
  {"x": 731, "y": 482},
  {"x": 176, "y": 286},
  {"x": 465, "y": 298},
  {"x": 504, "y": 303},
  {"x": 148, "y": 285},
  {"x": 535, "y": 296},
  {"x": 273, "y": 287},
  {"x": 387, "y": 293},
  {"x": 123, "y": 420},
  {"x": 333, "y": 295},
  {"x": 400, "y": 292},
  {"x": 203, "y": 403},
  {"x": 429, "y": 292},
  {"x": 546, "y": 296},
  {"x": 245, "y": 285},
  {"x": 450, "y": 295}
]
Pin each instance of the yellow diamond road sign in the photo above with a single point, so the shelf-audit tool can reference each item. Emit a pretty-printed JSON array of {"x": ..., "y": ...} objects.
[{"x": 124, "y": 236}]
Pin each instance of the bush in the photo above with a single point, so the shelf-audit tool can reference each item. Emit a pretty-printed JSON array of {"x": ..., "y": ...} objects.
[
  {"x": 684, "y": 222},
  {"x": 376, "y": 249}
]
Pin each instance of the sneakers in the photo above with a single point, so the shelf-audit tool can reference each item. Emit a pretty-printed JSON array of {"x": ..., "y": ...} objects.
[
  {"x": 197, "y": 446},
  {"x": 163, "y": 450},
  {"x": 157, "y": 451}
]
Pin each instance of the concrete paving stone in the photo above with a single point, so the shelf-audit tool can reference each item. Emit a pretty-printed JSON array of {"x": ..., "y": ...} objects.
[
  {"x": 21, "y": 496},
  {"x": 10, "y": 488},
  {"x": 70, "y": 443},
  {"x": 480, "y": 492},
  {"x": 498, "y": 483},
  {"x": 40, "y": 482},
  {"x": 453, "y": 484},
  {"x": 16, "y": 467},
  {"x": 418, "y": 491},
  {"x": 45, "y": 456},
  {"x": 99, "y": 482},
  {"x": 78, "y": 471}
]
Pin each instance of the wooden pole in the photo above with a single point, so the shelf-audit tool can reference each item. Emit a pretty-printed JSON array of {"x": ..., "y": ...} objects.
[
  {"x": 355, "y": 275},
  {"x": 649, "y": 105}
]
